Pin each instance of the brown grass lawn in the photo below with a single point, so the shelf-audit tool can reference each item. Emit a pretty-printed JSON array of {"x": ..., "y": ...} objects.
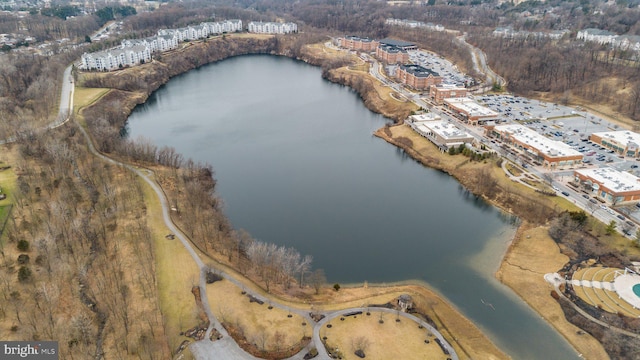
[
  {"x": 321, "y": 51},
  {"x": 83, "y": 97},
  {"x": 176, "y": 273},
  {"x": 268, "y": 329},
  {"x": 524, "y": 274},
  {"x": 389, "y": 340},
  {"x": 513, "y": 169},
  {"x": 469, "y": 340}
]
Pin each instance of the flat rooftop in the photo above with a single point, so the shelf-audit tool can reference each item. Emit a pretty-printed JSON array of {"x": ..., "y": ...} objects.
[
  {"x": 471, "y": 107},
  {"x": 424, "y": 117},
  {"x": 622, "y": 137},
  {"x": 444, "y": 129},
  {"x": 398, "y": 43},
  {"x": 619, "y": 181},
  {"x": 391, "y": 48},
  {"x": 447, "y": 86},
  {"x": 542, "y": 144},
  {"x": 358, "y": 38},
  {"x": 419, "y": 71}
]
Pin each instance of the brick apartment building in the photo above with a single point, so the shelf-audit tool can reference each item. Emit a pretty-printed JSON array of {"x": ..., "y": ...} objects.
[
  {"x": 417, "y": 77},
  {"x": 391, "y": 54},
  {"x": 357, "y": 43}
]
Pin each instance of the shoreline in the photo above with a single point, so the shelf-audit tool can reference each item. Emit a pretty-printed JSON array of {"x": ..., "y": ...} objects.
[
  {"x": 582, "y": 344},
  {"x": 136, "y": 98}
]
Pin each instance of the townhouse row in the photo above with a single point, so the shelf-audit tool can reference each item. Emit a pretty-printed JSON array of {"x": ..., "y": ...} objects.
[{"x": 628, "y": 42}]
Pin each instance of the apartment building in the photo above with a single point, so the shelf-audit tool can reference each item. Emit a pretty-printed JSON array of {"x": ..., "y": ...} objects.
[{"x": 417, "y": 77}]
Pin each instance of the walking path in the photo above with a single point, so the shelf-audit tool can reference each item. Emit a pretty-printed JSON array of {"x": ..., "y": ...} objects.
[
  {"x": 556, "y": 280},
  {"x": 225, "y": 348}
]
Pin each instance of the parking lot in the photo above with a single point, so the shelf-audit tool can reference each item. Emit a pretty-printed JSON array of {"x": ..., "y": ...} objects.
[{"x": 442, "y": 66}]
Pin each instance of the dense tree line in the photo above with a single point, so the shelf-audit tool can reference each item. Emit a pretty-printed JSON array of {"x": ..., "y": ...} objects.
[
  {"x": 67, "y": 266},
  {"x": 29, "y": 90},
  {"x": 568, "y": 68}
]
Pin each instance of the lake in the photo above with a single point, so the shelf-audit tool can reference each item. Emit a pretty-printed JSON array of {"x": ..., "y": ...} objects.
[{"x": 297, "y": 165}]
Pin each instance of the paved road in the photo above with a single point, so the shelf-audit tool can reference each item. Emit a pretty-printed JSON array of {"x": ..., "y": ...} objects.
[
  {"x": 66, "y": 104},
  {"x": 480, "y": 63},
  {"x": 66, "y": 99}
]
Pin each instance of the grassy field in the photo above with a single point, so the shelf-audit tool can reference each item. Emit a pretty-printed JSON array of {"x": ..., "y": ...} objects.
[
  {"x": 321, "y": 51},
  {"x": 268, "y": 329},
  {"x": 176, "y": 273},
  {"x": 402, "y": 340},
  {"x": 83, "y": 97}
]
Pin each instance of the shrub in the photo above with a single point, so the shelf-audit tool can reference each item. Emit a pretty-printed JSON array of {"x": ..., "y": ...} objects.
[
  {"x": 336, "y": 286},
  {"x": 23, "y": 245},
  {"x": 24, "y": 274},
  {"x": 23, "y": 259}
]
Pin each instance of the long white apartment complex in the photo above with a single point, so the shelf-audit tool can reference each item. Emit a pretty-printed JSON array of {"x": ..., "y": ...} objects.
[
  {"x": 260, "y": 27},
  {"x": 138, "y": 51}
]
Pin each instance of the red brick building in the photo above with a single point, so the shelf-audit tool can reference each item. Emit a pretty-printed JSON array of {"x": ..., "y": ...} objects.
[
  {"x": 357, "y": 43},
  {"x": 417, "y": 77},
  {"x": 446, "y": 91},
  {"x": 390, "y": 54}
]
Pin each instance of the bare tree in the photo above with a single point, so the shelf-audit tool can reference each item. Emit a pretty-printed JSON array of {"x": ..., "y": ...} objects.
[
  {"x": 317, "y": 279},
  {"x": 303, "y": 267}
]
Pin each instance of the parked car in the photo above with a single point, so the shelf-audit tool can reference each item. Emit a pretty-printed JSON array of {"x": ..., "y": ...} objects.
[{"x": 565, "y": 193}]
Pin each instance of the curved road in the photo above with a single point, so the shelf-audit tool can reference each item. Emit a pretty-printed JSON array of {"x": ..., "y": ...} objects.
[
  {"x": 66, "y": 103},
  {"x": 480, "y": 64}
]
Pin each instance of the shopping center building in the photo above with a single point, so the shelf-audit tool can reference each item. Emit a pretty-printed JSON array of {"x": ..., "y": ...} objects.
[
  {"x": 624, "y": 142},
  {"x": 470, "y": 111},
  {"x": 540, "y": 149},
  {"x": 610, "y": 185}
]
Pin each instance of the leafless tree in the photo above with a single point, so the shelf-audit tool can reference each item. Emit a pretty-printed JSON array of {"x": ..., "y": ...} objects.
[{"x": 317, "y": 280}]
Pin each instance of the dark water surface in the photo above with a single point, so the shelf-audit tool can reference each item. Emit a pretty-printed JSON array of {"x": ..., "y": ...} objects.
[{"x": 297, "y": 165}]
